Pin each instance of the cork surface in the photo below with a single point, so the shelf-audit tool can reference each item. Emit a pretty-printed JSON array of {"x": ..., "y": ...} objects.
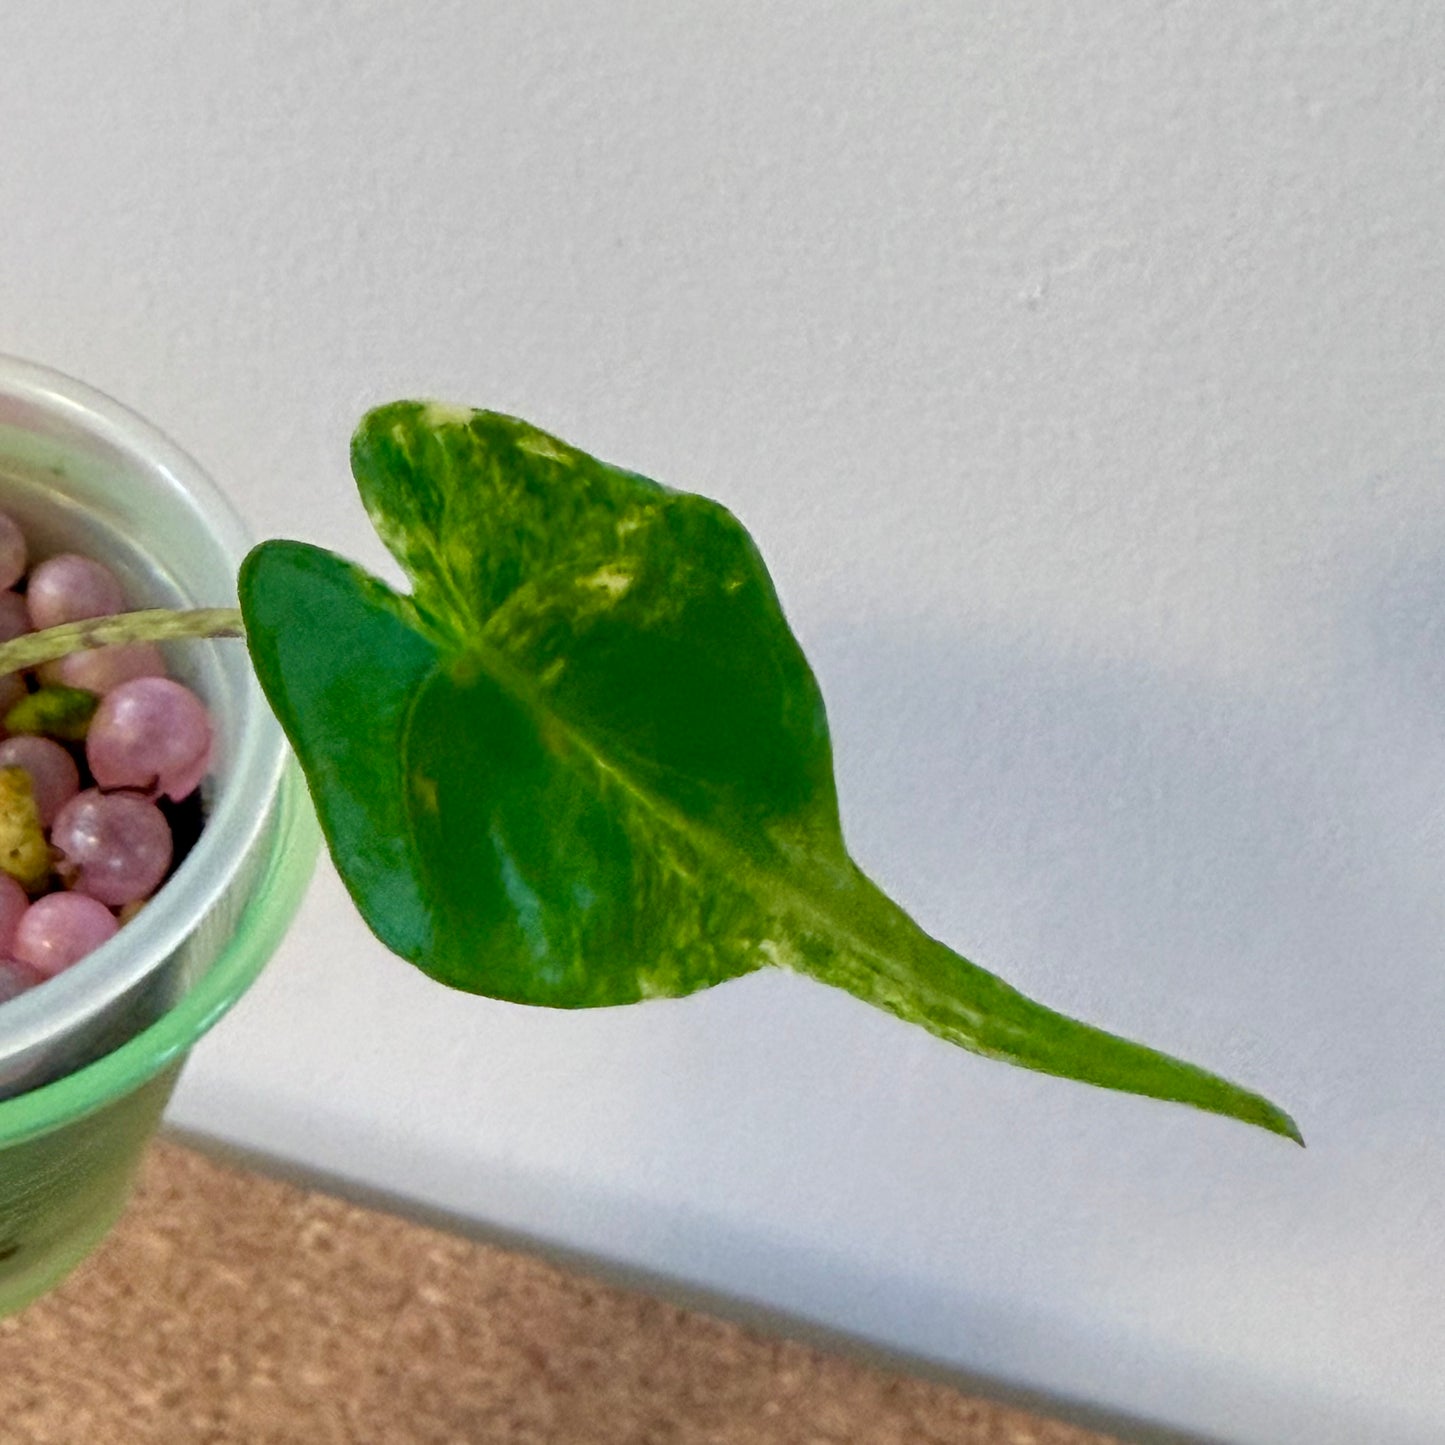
[{"x": 230, "y": 1307}]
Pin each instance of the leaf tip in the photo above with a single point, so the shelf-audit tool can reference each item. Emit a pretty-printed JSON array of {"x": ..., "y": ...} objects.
[{"x": 1257, "y": 1110}]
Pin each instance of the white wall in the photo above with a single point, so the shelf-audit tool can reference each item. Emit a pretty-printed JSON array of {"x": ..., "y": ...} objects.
[{"x": 1079, "y": 370}]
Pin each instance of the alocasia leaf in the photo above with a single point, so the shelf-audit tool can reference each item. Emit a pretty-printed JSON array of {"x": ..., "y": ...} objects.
[{"x": 585, "y": 761}]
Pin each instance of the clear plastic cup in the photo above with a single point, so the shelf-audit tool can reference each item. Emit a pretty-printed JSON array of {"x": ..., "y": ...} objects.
[{"x": 89, "y": 1059}]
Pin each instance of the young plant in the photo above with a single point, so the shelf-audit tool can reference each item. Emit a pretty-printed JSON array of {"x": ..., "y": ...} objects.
[{"x": 584, "y": 761}]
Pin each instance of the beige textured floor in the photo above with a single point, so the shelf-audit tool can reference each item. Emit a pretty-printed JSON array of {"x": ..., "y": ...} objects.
[{"x": 231, "y": 1308}]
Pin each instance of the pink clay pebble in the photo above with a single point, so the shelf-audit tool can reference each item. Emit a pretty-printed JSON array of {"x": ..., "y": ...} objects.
[
  {"x": 14, "y": 622},
  {"x": 101, "y": 669},
  {"x": 59, "y": 929},
  {"x": 17, "y": 978},
  {"x": 13, "y": 903},
  {"x": 14, "y": 616},
  {"x": 151, "y": 734},
  {"x": 68, "y": 588},
  {"x": 13, "y": 552},
  {"x": 117, "y": 844}
]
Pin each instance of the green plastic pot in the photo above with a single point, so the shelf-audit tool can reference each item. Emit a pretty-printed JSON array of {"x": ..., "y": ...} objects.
[{"x": 89, "y": 1059}]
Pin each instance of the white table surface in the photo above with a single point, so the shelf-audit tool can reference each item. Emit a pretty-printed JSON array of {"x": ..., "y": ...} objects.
[{"x": 1081, "y": 372}]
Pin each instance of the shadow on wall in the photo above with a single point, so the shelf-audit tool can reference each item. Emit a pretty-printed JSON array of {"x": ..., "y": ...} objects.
[
  {"x": 1248, "y": 864},
  {"x": 1392, "y": 632}
]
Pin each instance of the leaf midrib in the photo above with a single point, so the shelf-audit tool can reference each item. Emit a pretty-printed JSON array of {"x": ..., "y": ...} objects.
[{"x": 792, "y": 901}]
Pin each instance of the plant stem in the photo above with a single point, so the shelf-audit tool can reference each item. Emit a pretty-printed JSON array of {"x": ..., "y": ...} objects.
[{"x": 161, "y": 624}]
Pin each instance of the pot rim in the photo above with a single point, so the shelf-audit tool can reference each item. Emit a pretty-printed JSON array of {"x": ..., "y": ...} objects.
[{"x": 42, "y": 1017}]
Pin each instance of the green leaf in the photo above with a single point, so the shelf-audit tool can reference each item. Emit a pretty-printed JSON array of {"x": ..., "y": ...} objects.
[
  {"x": 585, "y": 761},
  {"x": 340, "y": 658}
]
